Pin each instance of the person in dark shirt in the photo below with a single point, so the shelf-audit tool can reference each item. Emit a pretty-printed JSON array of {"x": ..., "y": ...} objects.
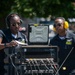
[
  {"x": 65, "y": 40},
  {"x": 9, "y": 35}
]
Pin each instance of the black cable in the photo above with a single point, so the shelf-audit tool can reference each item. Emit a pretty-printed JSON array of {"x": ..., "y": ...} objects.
[
  {"x": 37, "y": 65},
  {"x": 30, "y": 65},
  {"x": 34, "y": 65},
  {"x": 53, "y": 67},
  {"x": 13, "y": 63}
]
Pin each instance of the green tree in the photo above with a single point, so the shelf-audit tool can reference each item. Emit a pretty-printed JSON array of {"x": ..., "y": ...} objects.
[
  {"x": 39, "y": 8},
  {"x": 44, "y": 8}
]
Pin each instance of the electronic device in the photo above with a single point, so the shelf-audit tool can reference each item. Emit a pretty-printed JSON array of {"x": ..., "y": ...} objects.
[
  {"x": 40, "y": 51},
  {"x": 38, "y": 34},
  {"x": 39, "y": 66},
  {"x": 33, "y": 60}
]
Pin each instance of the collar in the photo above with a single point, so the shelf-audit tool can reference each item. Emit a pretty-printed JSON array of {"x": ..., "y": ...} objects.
[
  {"x": 62, "y": 38},
  {"x": 18, "y": 35},
  {"x": 15, "y": 36},
  {"x": 68, "y": 35}
]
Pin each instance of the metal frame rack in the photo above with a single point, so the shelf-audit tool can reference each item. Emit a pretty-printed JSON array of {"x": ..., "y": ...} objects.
[{"x": 33, "y": 60}]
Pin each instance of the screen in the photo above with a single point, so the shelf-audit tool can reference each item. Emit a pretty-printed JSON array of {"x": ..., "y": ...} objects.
[{"x": 38, "y": 34}]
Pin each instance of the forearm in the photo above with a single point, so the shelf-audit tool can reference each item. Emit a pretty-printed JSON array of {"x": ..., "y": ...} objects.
[{"x": 3, "y": 45}]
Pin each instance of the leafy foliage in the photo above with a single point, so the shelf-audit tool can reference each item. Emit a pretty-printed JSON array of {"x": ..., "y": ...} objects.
[
  {"x": 30, "y": 8},
  {"x": 44, "y": 8}
]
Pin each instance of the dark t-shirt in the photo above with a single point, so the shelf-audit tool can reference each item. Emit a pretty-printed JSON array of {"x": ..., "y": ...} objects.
[
  {"x": 65, "y": 46},
  {"x": 7, "y": 37}
]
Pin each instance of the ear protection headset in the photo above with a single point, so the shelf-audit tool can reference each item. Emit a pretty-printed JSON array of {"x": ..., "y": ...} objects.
[
  {"x": 65, "y": 25},
  {"x": 9, "y": 17}
]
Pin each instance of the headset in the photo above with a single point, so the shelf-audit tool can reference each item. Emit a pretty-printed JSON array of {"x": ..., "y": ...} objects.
[
  {"x": 9, "y": 17},
  {"x": 66, "y": 24}
]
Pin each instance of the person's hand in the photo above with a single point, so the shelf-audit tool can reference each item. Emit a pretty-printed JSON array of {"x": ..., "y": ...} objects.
[{"x": 12, "y": 43}]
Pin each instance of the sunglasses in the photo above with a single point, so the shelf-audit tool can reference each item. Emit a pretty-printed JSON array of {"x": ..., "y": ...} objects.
[
  {"x": 57, "y": 24},
  {"x": 19, "y": 24}
]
